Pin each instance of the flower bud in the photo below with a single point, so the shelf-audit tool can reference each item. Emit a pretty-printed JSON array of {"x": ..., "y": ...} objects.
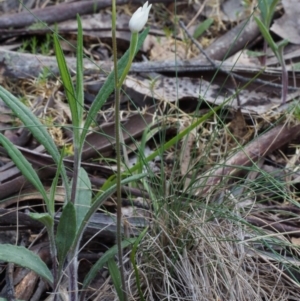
[{"x": 139, "y": 18}]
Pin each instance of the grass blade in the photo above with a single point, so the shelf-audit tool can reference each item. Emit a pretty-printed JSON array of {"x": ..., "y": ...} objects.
[
  {"x": 177, "y": 138},
  {"x": 132, "y": 259},
  {"x": 109, "y": 254}
]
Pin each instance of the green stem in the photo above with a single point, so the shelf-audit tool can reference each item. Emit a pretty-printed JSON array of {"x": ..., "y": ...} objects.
[
  {"x": 72, "y": 256},
  {"x": 118, "y": 148},
  {"x": 53, "y": 253},
  {"x": 132, "y": 50}
]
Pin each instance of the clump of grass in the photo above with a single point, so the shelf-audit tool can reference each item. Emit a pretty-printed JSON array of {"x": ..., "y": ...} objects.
[
  {"x": 201, "y": 247},
  {"x": 203, "y": 254}
]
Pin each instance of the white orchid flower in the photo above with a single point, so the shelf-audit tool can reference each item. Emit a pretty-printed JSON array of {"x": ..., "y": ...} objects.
[
  {"x": 139, "y": 18},
  {"x": 136, "y": 24}
]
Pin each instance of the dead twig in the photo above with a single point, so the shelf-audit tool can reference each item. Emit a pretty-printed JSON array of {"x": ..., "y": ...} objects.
[{"x": 263, "y": 145}]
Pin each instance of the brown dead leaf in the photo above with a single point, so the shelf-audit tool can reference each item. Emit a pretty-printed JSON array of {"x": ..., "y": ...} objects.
[
  {"x": 186, "y": 157},
  {"x": 25, "y": 288},
  {"x": 243, "y": 58},
  {"x": 173, "y": 89},
  {"x": 167, "y": 49},
  {"x": 5, "y": 118},
  {"x": 228, "y": 10},
  {"x": 238, "y": 127},
  {"x": 234, "y": 11},
  {"x": 99, "y": 26},
  {"x": 295, "y": 241},
  {"x": 288, "y": 26},
  {"x": 187, "y": 148}
]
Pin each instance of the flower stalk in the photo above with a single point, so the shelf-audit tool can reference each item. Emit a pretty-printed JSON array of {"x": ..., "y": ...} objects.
[
  {"x": 136, "y": 24},
  {"x": 118, "y": 152}
]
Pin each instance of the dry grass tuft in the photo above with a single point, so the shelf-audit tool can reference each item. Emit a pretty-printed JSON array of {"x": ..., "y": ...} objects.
[{"x": 198, "y": 256}]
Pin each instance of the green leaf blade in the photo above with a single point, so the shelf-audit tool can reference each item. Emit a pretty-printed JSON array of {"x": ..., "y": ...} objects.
[
  {"x": 83, "y": 197},
  {"x": 79, "y": 71},
  {"x": 66, "y": 231},
  {"x": 54, "y": 183},
  {"x": 203, "y": 27},
  {"x": 27, "y": 259},
  {"x": 100, "y": 198},
  {"x": 24, "y": 166},
  {"x": 45, "y": 218},
  {"x": 108, "y": 88},
  {"x": 116, "y": 277},
  {"x": 67, "y": 81},
  {"x": 265, "y": 32},
  {"x": 37, "y": 129}
]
